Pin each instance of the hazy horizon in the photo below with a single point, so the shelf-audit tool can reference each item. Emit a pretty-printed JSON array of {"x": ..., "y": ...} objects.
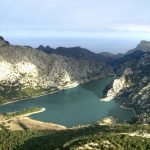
[
  {"x": 95, "y": 45},
  {"x": 98, "y": 25}
]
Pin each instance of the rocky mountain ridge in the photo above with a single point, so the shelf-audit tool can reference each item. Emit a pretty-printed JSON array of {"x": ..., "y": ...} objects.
[{"x": 81, "y": 53}]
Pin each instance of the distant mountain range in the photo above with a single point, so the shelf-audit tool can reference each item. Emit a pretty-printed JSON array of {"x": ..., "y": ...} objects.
[
  {"x": 85, "y": 54},
  {"x": 81, "y": 53}
]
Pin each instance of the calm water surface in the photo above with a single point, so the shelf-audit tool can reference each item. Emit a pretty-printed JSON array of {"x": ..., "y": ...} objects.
[{"x": 75, "y": 106}]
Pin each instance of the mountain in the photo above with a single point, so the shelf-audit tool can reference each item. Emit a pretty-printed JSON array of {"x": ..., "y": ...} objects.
[
  {"x": 132, "y": 84},
  {"x": 142, "y": 46},
  {"x": 111, "y": 55},
  {"x": 74, "y": 52},
  {"x": 81, "y": 53},
  {"x": 26, "y": 72},
  {"x": 3, "y": 42}
]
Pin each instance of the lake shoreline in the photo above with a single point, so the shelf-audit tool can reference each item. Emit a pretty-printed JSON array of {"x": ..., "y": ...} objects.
[
  {"x": 27, "y": 117},
  {"x": 52, "y": 92},
  {"x": 129, "y": 109},
  {"x": 121, "y": 106},
  {"x": 34, "y": 112},
  {"x": 90, "y": 93},
  {"x": 23, "y": 122}
]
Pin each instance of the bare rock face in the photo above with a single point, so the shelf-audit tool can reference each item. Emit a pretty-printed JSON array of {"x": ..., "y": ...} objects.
[
  {"x": 118, "y": 86},
  {"x": 25, "y": 71}
]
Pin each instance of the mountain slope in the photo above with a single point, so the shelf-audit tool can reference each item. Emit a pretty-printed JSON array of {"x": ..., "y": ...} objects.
[{"x": 26, "y": 72}]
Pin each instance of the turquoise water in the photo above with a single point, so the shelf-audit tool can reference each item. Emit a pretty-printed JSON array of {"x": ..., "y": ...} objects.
[{"x": 75, "y": 106}]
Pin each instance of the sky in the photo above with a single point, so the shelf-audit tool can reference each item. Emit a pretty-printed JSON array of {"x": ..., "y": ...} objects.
[{"x": 99, "y": 25}]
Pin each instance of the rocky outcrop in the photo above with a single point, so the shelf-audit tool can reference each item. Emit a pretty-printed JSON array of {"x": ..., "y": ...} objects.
[
  {"x": 26, "y": 72},
  {"x": 118, "y": 86}
]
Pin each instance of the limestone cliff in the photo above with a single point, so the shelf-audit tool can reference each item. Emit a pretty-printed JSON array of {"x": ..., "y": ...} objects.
[{"x": 118, "y": 86}]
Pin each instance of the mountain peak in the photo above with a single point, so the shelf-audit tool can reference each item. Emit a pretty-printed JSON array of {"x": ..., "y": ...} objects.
[
  {"x": 142, "y": 46},
  {"x": 1, "y": 38},
  {"x": 3, "y": 42},
  {"x": 144, "y": 42}
]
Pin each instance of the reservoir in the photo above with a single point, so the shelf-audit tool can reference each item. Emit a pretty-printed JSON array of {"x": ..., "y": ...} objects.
[{"x": 75, "y": 106}]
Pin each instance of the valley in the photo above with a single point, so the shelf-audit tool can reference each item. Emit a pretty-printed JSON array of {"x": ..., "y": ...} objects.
[
  {"x": 87, "y": 100},
  {"x": 63, "y": 107}
]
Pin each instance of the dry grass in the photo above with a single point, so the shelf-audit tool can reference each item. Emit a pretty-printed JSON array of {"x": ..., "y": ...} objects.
[{"x": 17, "y": 123}]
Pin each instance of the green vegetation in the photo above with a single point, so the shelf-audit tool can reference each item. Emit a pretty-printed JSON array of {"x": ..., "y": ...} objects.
[
  {"x": 25, "y": 111},
  {"x": 15, "y": 93},
  {"x": 107, "y": 137},
  {"x": 111, "y": 142}
]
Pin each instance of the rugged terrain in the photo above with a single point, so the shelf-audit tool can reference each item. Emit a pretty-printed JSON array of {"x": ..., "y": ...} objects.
[
  {"x": 133, "y": 83},
  {"x": 26, "y": 72}
]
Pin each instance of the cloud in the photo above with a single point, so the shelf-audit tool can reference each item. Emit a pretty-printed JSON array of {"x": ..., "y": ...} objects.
[
  {"x": 133, "y": 27},
  {"x": 79, "y": 18}
]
